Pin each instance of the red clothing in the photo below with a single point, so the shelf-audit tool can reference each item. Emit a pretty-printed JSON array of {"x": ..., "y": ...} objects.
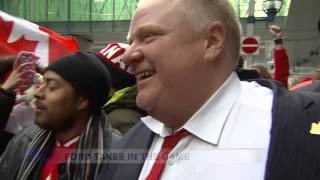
[
  {"x": 281, "y": 66},
  {"x": 300, "y": 85},
  {"x": 60, "y": 154},
  {"x": 307, "y": 78}
]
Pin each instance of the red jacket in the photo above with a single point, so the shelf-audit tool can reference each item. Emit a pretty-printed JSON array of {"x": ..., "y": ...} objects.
[{"x": 281, "y": 66}]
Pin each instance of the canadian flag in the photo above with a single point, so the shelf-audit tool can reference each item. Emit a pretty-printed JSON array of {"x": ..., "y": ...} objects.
[{"x": 20, "y": 35}]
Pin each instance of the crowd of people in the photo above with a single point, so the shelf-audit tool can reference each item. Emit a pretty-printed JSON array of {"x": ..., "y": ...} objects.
[{"x": 173, "y": 103}]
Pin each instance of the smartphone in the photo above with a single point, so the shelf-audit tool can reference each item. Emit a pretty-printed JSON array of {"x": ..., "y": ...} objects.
[{"x": 22, "y": 58}]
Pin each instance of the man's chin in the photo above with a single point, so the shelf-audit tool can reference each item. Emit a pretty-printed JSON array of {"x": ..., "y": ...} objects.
[
  {"x": 43, "y": 124},
  {"x": 143, "y": 103}
]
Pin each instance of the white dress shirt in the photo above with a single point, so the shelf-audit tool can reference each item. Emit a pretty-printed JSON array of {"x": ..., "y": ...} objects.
[{"x": 230, "y": 136}]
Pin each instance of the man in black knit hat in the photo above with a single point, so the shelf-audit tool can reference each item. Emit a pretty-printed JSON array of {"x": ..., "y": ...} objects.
[{"x": 69, "y": 124}]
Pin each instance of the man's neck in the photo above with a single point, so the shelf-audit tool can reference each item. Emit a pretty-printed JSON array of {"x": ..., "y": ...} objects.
[{"x": 64, "y": 136}]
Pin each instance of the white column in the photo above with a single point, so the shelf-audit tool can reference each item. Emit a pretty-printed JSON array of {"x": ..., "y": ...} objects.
[{"x": 250, "y": 31}]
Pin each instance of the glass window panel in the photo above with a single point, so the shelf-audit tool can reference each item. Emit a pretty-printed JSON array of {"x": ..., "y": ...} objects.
[
  {"x": 79, "y": 10},
  {"x": 15, "y": 7},
  {"x": 101, "y": 10},
  {"x": 39, "y": 14},
  {"x": 241, "y": 8},
  {"x": 57, "y": 10},
  {"x": 124, "y": 9}
]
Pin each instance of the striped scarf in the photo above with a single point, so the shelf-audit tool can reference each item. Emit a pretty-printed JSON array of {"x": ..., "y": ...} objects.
[{"x": 92, "y": 140}]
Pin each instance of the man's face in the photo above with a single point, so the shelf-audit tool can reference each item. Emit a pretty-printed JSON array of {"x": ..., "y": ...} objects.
[
  {"x": 56, "y": 103},
  {"x": 166, "y": 56}
]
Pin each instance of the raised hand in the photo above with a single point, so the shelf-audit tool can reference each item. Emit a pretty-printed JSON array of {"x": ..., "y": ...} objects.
[
  {"x": 19, "y": 77},
  {"x": 276, "y": 31}
]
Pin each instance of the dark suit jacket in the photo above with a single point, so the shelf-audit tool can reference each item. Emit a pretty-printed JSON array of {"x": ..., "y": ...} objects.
[{"x": 294, "y": 153}]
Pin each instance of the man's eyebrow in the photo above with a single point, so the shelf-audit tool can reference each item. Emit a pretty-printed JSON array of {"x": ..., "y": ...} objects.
[
  {"x": 143, "y": 28},
  {"x": 49, "y": 79}
]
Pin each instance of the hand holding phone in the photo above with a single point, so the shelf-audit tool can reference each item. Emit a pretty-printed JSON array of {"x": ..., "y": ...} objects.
[{"x": 27, "y": 61}]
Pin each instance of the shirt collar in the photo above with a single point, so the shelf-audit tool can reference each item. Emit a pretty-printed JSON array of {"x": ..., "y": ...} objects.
[
  {"x": 208, "y": 122},
  {"x": 68, "y": 143}
]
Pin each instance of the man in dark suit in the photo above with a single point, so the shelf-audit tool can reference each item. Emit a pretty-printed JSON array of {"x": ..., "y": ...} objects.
[{"x": 204, "y": 122}]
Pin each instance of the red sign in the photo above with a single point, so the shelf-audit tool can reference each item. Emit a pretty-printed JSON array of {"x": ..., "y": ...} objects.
[{"x": 249, "y": 45}]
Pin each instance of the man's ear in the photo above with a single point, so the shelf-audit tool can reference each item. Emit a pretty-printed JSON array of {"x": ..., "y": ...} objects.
[
  {"x": 215, "y": 38},
  {"x": 83, "y": 103}
]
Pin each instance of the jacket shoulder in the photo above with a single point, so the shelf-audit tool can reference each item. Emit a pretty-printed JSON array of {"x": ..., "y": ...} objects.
[
  {"x": 294, "y": 146},
  {"x": 15, "y": 151},
  {"x": 286, "y": 98}
]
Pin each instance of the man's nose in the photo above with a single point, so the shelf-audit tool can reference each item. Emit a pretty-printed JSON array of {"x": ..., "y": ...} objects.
[
  {"x": 133, "y": 55},
  {"x": 39, "y": 92}
]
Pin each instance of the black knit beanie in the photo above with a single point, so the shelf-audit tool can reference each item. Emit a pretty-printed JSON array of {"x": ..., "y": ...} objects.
[{"x": 86, "y": 74}]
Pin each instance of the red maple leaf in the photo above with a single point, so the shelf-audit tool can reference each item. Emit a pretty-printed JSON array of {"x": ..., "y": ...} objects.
[{"x": 22, "y": 44}]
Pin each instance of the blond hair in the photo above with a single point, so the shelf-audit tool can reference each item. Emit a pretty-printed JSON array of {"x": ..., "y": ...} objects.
[{"x": 203, "y": 12}]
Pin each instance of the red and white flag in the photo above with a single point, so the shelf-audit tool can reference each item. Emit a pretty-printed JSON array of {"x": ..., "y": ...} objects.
[{"x": 17, "y": 34}]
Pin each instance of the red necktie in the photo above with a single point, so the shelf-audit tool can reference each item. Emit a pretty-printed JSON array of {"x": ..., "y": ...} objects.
[{"x": 168, "y": 144}]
